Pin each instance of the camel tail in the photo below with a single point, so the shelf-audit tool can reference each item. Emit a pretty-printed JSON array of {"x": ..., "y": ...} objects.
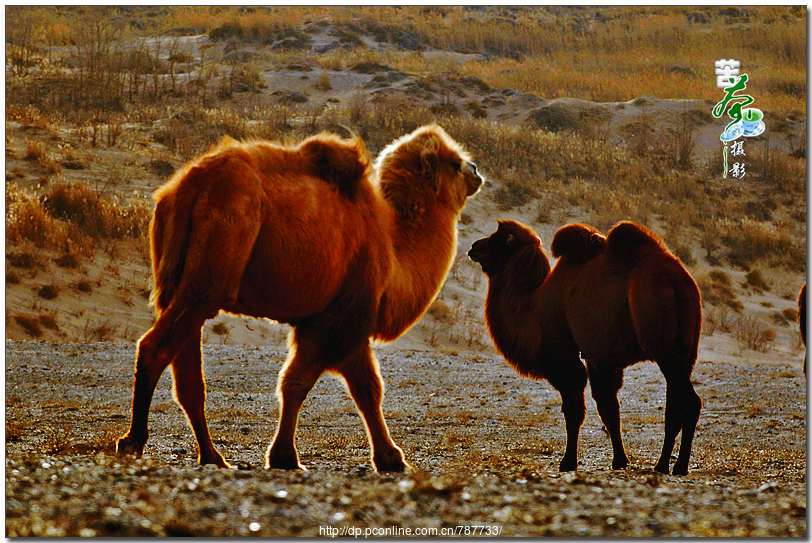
[
  {"x": 170, "y": 230},
  {"x": 577, "y": 242}
]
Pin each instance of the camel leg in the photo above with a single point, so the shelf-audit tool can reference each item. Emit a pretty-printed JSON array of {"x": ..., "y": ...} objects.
[
  {"x": 570, "y": 382},
  {"x": 605, "y": 385},
  {"x": 173, "y": 329},
  {"x": 682, "y": 407},
  {"x": 297, "y": 377},
  {"x": 189, "y": 390},
  {"x": 362, "y": 374}
]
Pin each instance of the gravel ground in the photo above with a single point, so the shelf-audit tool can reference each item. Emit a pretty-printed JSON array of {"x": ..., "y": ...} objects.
[{"x": 486, "y": 445}]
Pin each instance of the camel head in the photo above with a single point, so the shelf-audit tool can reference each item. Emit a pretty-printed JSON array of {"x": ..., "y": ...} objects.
[
  {"x": 495, "y": 252},
  {"x": 426, "y": 167}
]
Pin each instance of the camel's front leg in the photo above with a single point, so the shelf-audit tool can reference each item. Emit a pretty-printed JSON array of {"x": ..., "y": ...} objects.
[
  {"x": 605, "y": 386},
  {"x": 570, "y": 381},
  {"x": 296, "y": 378}
]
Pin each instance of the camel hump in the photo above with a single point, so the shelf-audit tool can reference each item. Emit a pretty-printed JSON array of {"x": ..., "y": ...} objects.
[
  {"x": 630, "y": 243},
  {"x": 343, "y": 163},
  {"x": 577, "y": 242}
]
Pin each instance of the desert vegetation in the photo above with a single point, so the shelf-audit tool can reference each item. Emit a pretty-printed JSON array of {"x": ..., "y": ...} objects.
[{"x": 105, "y": 102}]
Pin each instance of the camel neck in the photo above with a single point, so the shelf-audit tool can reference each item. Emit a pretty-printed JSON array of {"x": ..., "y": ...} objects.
[
  {"x": 422, "y": 258},
  {"x": 511, "y": 316}
]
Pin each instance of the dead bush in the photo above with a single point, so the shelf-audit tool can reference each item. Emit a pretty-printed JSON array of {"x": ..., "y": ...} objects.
[
  {"x": 98, "y": 217},
  {"x": 717, "y": 318},
  {"x": 753, "y": 334},
  {"x": 25, "y": 260},
  {"x": 717, "y": 290},
  {"x": 34, "y": 150},
  {"x": 28, "y": 220},
  {"x": 30, "y": 324},
  {"x": 49, "y": 322},
  {"x": 48, "y": 292},
  {"x": 68, "y": 260},
  {"x": 754, "y": 279},
  {"x": 84, "y": 286}
]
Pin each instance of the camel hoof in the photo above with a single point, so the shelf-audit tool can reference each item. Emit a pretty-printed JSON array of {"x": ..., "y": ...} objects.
[
  {"x": 391, "y": 462},
  {"x": 620, "y": 464},
  {"x": 663, "y": 468},
  {"x": 287, "y": 466},
  {"x": 127, "y": 445},
  {"x": 218, "y": 461},
  {"x": 284, "y": 461},
  {"x": 568, "y": 465},
  {"x": 679, "y": 470}
]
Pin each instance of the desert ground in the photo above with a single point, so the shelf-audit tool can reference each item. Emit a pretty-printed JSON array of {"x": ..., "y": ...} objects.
[
  {"x": 485, "y": 445},
  {"x": 484, "y": 442}
]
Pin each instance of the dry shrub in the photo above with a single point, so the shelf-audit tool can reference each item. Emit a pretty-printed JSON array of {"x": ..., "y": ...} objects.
[
  {"x": 103, "y": 331},
  {"x": 222, "y": 330},
  {"x": 12, "y": 278},
  {"x": 513, "y": 194},
  {"x": 756, "y": 280},
  {"x": 441, "y": 312},
  {"x": 48, "y": 292},
  {"x": 100, "y": 218},
  {"x": 791, "y": 314},
  {"x": 717, "y": 318},
  {"x": 68, "y": 260},
  {"x": 49, "y": 322},
  {"x": 30, "y": 324},
  {"x": 750, "y": 241},
  {"x": 84, "y": 286},
  {"x": 717, "y": 290},
  {"x": 753, "y": 334},
  {"x": 34, "y": 150},
  {"x": 25, "y": 260},
  {"x": 28, "y": 220}
]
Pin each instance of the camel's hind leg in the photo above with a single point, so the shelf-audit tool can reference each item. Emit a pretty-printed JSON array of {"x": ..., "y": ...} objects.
[
  {"x": 605, "y": 385},
  {"x": 156, "y": 349},
  {"x": 682, "y": 407},
  {"x": 216, "y": 255},
  {"x": 362, "y": 374},
  {"x": 189, "y": 390}
]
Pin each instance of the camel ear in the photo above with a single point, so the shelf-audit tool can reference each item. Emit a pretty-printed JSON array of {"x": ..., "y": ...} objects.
[{"x": 428, "y": 162}]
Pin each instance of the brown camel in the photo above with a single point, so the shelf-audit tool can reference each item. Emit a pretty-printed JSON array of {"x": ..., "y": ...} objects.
[
  {"x": 311, "y": 235},
  {"x": 613, "y": 301}
]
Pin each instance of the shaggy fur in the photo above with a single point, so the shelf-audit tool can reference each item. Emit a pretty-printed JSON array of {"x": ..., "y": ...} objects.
[
  {"x": 614, "y": 301},
  {"x": 309, "y": 235}
]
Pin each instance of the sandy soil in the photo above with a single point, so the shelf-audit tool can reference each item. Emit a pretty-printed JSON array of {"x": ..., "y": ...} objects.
[{"x": 485, "y": 443}]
